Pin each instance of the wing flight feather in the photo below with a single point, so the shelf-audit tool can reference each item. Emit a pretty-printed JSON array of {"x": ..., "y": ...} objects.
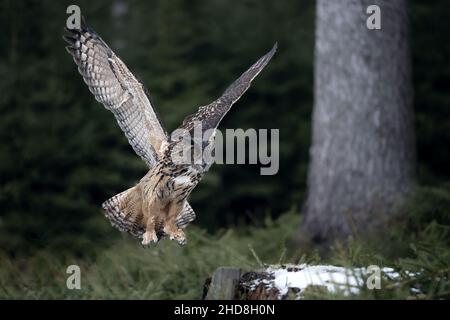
[
  {"x": 210, "y": 115},
  {"x": 113, "y": 85}
]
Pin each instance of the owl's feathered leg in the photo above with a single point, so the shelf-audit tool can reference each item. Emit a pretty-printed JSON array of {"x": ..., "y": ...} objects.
[
  {"x": 170, "y": 225},
  {"x": 150, "y": 233}
]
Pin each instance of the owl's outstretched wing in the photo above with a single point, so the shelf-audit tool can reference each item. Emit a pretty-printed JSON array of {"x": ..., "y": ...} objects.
[
  {"x": 210, "y": 116},
  {"x": 118, "y": 90}
]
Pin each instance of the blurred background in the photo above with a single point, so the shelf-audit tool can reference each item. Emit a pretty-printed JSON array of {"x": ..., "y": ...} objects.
[{"x": 62, "y": 154}]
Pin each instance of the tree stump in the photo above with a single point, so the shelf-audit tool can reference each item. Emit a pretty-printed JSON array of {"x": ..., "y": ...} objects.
[{"x": 224, "y": 283}]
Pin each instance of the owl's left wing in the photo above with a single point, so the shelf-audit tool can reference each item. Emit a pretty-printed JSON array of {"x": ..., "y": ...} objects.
[{"x": 209, "y": 116}]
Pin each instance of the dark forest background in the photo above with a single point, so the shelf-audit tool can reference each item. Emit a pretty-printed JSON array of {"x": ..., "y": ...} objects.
[{"x": 62, "y": 154}]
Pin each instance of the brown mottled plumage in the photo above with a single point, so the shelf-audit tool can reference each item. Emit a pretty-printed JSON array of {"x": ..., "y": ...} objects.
[{"x": 157, "y": 205}]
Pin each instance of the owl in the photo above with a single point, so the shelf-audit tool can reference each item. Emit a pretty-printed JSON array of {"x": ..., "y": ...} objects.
[{"x": 157, "y": 206}]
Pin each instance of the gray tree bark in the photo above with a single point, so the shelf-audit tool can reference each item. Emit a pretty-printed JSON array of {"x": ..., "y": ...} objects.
[{"x": 363, "y": 147}]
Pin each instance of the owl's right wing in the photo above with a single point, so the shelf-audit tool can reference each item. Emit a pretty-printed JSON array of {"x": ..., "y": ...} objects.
[{"x": 119, "y": 91}]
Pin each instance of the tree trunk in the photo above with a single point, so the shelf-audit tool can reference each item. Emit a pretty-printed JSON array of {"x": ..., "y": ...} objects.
[{"x": 363, "y": 146}]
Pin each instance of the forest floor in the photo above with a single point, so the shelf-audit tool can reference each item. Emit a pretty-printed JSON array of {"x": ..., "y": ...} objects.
[{"x": 417, "y": 248}]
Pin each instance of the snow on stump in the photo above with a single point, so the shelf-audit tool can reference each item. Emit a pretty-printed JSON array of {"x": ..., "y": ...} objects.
[
  {"x": 287, "y": 282},
  {"x": 291, "y": 281}
]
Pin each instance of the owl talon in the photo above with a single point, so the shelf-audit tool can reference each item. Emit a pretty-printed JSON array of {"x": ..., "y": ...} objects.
[
  {"x": 149, "y": 237},
  {"x": 181, "y": 241},
  {"x": 177, "y": 235}
]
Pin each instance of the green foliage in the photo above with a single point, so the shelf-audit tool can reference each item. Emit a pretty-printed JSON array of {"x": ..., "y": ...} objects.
[
  {"x": 167, "y": 271},
  {"x": 431, "y": 73},
  {"x": 128, "y": 271},
  {"x": 416, "y": 245}
]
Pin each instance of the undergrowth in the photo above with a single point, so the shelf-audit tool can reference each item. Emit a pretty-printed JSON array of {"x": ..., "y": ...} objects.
[{"x": 416, "y": 246}]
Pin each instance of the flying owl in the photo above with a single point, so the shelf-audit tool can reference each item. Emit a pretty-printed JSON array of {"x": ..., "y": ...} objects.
[{"x": 156, "y": 207}]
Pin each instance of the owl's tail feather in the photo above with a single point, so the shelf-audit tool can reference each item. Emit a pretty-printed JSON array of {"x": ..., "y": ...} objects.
[
  {"x": 186, "y": 216},
  {"x": 124, "y": 211}
]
